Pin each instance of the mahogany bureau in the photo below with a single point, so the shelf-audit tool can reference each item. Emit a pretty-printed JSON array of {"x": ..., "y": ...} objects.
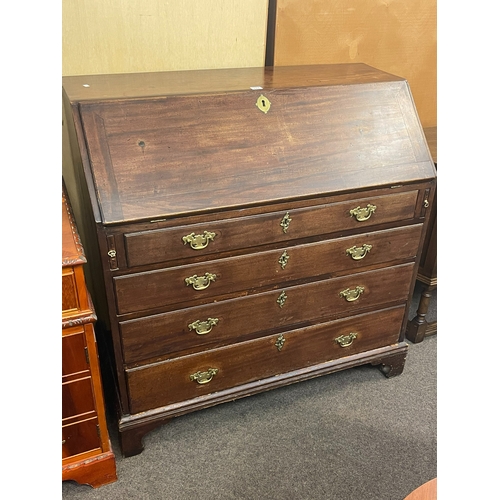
[
  {"x": 87, "y": 456},
  {"x": 253, "y": 227}
]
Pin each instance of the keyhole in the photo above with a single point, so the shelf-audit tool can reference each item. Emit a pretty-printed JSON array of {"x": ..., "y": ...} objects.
[
  {"x": 141, "y": 144},
  {"x": 263, "y": 103}
]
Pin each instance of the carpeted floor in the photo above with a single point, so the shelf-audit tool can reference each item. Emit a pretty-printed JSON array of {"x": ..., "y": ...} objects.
[{"x": 351, "y": 435}]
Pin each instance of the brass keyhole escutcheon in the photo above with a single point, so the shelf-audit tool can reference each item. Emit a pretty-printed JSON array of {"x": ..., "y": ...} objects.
[
  {"x": 263, "y": 103},
  {"x": 282, "y": 299},
  {"x": 280, "y": 342},
  {"x": 285, "y": 222},
  {"x": 283, "y": 259}
]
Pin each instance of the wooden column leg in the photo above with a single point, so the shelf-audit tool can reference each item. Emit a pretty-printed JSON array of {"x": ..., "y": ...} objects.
[{"x": 416, "y": 328}]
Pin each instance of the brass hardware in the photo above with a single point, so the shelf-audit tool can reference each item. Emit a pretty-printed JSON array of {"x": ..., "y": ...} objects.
[
  {"x": 358, "y": 253},
  {"x": 425, "y": 204},
  {"x": 283, "y": 259},
  {"x": 285, "y": 222},
  {"x": 363, "y": 214},
  {"x": 204, "y": 377},
  {"x": 199, "y": 241},
  {"x": 203, "y": 327},
  {"x": 346, "y": 340},
  {"x": 86, "y": 351},
  {"x": 352, "y": 295},
  {"x": 282, "y": 299},
  {"x": 64, "y": 441},
  {"x": 200, "y": 282},
  {"x": 112, "y": 252},
  {"x": 280, "y": 342},
  {"x": 263, "y": 103}
]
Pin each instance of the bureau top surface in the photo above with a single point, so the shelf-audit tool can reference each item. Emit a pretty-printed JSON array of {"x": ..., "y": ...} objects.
[
  {"x": 153, "y": 84},
  {"x": 164, "y": 144}
]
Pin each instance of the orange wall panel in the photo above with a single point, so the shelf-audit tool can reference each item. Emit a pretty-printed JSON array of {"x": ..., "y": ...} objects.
[{"x": 397, "y": 36}]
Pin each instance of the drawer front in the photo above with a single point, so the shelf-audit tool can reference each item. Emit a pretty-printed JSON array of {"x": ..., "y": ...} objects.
[
  {"x": 77, "y": 397},
  {"x": 202, "y": 282},
  {"x": 204, "y": 373},
  {"x": 74, "y": 359},
  {"x": 69, "y": 291},
  {"x": 162, "y": 245},
  {"x": 80, "y": 437},
  {"x": 222, "y": 323}
]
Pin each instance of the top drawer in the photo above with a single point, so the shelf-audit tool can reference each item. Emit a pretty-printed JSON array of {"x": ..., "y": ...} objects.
[{"x": 150, "y": 247}]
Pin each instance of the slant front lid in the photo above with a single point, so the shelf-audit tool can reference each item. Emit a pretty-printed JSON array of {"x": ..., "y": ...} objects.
[{"x": 167, "y": 155}]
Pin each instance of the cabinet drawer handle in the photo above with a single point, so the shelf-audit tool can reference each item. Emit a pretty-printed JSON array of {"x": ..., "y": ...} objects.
[
  {"x": 199, "y": 241},
  {"x": 200, "y": 282},
  {"x": 346, "y": 340},
  {"x": 358, "y": 253},
  {"x": 363, "y": 214},
  {"x": 352, "y": 295},
  {"x": 203, "y": 327},
  {"x": 204, "y": 377}
]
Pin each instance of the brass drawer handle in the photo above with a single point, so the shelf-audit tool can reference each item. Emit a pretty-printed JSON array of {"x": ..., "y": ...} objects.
[
  {"x": 346, "y": 340},
  {"x": 204, "y": 377},
  {"x": 199, "y": 241},
  {"x": 203, "y": 327},
  {"x": 358, "y": 253},
  {"x": 285, "y": 222},
  {"x": 200, "y": 282},
  {"x": 352, "y": 295},
  {"x": 363, "y": 214}
]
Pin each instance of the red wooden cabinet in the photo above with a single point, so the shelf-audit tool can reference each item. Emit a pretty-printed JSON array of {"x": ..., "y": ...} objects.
[{"x": 87, "y": 456}]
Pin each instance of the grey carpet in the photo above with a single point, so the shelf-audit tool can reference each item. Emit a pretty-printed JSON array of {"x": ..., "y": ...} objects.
[{"x": 351, "y": 435}]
